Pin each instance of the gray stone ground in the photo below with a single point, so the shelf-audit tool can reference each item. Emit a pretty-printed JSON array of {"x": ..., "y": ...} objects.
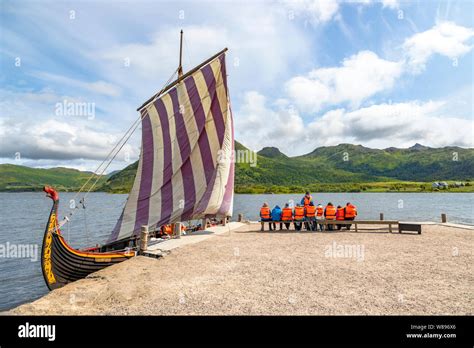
[{"x": 249, "y": 272}]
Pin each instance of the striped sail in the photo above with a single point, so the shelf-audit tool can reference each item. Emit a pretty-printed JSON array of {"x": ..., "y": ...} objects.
[{"x": 185, "y": 170}]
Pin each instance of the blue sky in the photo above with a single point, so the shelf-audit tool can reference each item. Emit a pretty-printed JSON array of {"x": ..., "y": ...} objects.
[{"x": 302, "y": 74}]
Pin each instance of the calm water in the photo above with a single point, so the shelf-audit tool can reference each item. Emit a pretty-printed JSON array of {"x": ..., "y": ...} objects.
[{"x": 23, "y": 218}]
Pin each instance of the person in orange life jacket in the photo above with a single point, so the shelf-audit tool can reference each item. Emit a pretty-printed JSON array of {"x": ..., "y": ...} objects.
[
  {"x": 287, "y": 215},
  {"x": 319, "y": 216},
  {"x": 265, "y": 214},
  {"x": 276, "y": 216},
  {"x": 340, "y": 213},
  {"x": 310, "y": 214},
  {"x": 166, "y": 231},
  {"x": 298, "y": 217},
  {"x": 330, "y": 214},
  {"x": 306, "y": 200},
  {"x": 351, "y": 213}
]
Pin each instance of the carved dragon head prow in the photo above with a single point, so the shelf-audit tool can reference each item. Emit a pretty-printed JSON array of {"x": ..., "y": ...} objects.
[{"x": 51, "y": 193}]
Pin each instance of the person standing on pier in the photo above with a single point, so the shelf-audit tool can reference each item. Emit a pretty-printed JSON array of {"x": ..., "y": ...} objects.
[{"x": 306, "y": 200}]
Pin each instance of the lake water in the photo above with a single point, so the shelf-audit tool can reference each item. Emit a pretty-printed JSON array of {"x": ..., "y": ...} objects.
[{"x": 23, "y": 218}]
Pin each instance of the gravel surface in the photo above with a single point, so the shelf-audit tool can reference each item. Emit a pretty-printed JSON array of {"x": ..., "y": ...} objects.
[{"x": 248, "y": 272}]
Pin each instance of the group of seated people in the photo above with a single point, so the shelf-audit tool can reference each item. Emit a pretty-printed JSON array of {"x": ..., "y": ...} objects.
[{"x": 307, "y": 214}]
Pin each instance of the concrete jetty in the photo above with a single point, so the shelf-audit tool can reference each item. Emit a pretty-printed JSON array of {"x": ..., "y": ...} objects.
[
  {"x": 163, "y": 248},
  {"x": 242, "y": 271}
]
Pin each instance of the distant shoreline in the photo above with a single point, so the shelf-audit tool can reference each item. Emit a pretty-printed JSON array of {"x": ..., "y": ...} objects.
[
  {"x": 470, "y": 190},
  {"x": 453, "y": 186}
]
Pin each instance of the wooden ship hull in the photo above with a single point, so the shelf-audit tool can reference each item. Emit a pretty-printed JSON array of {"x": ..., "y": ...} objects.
[{"x": 62, "y": 264}]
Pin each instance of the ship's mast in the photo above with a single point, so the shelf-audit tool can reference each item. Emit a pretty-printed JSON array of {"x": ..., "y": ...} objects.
[{"x": 180, "y": 67}]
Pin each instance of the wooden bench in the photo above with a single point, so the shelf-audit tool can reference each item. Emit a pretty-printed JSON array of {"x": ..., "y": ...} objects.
[{"x": 343, "y": 222}]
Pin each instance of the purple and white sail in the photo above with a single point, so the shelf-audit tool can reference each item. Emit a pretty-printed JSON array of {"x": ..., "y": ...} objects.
[{"x": 186, "y": 167}]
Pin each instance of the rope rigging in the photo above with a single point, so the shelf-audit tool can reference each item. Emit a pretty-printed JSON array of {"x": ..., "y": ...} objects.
[{"x": 100, "y": 170}]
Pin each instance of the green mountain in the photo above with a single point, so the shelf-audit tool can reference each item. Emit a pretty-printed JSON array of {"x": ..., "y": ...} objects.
[
  {"x": 271, "y": 152},
  {"x": 21, "y": 178},
  {"x": 344, "y": 167},
  {"x": 121, "y": 181},
  {"x": 417, "y": 163}
]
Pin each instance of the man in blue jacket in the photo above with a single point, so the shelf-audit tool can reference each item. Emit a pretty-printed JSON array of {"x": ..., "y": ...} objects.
[{"x": 276, "y": 216}]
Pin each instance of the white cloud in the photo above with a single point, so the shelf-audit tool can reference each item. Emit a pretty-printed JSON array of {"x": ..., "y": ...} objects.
[
  {"x": 445, "y": 38},
  {"x": 393, "y": 4},
  {"x": 360, "y": 77},
  {"x": 401, "y": 125},
  {"x": 159, "y": 57},
  {"x": 364, "y": 74},
  {"x": 257, "y": 43},
  {"x": 54, "y": 139},
  {"x": 30, "y": 126},
  {"x": 323, "y": 11},
  {"x": 378, "y": 126},
  {"x": 258, "y": 125},
  {"x": 317, "y": 11},
  {"x": 100, "y": 87}
]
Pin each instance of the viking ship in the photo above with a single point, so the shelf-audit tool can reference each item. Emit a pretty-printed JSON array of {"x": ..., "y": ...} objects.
[{"x": 185, "y": 171}]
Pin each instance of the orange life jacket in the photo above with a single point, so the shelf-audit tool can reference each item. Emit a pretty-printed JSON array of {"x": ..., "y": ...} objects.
[
  {"x": 320, "y": 211},
  {"x": 265, "y": 212},
  {"x": 299, "y": 213},
  {"x": 351, "y": 211},
  {"x": 330, "y": 212},
  {"x": 310, "y": 211},
  {"x": 340, "y": 214},
  {"x": 168, "y": 229},
  {"x": 287, "y": 214},
  {"x": 307, "y": 200}
]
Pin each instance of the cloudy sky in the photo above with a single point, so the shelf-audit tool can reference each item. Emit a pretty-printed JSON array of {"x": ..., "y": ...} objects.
[{"x": 302, "y": 74}]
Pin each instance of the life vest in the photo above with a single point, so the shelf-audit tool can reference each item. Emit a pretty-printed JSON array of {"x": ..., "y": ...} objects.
[
  {"x": 286, "y": 214},
  {"x": 168, "y": 229},
  {"x": 307, "y": 200},
  {"x": 340, "y": 214},
  {"x": 299, "y": 213},
  {"x": 351, "y": 211},
  {"x": 330, "y": 212},
  {"x": 320, "y": 211},
  {"x": 265, "y": 212},
  {"x": 310, "y": 211}
]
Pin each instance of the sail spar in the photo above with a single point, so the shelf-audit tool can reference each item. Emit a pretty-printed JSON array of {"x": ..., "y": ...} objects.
[{"x": 185, "y": 170}]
